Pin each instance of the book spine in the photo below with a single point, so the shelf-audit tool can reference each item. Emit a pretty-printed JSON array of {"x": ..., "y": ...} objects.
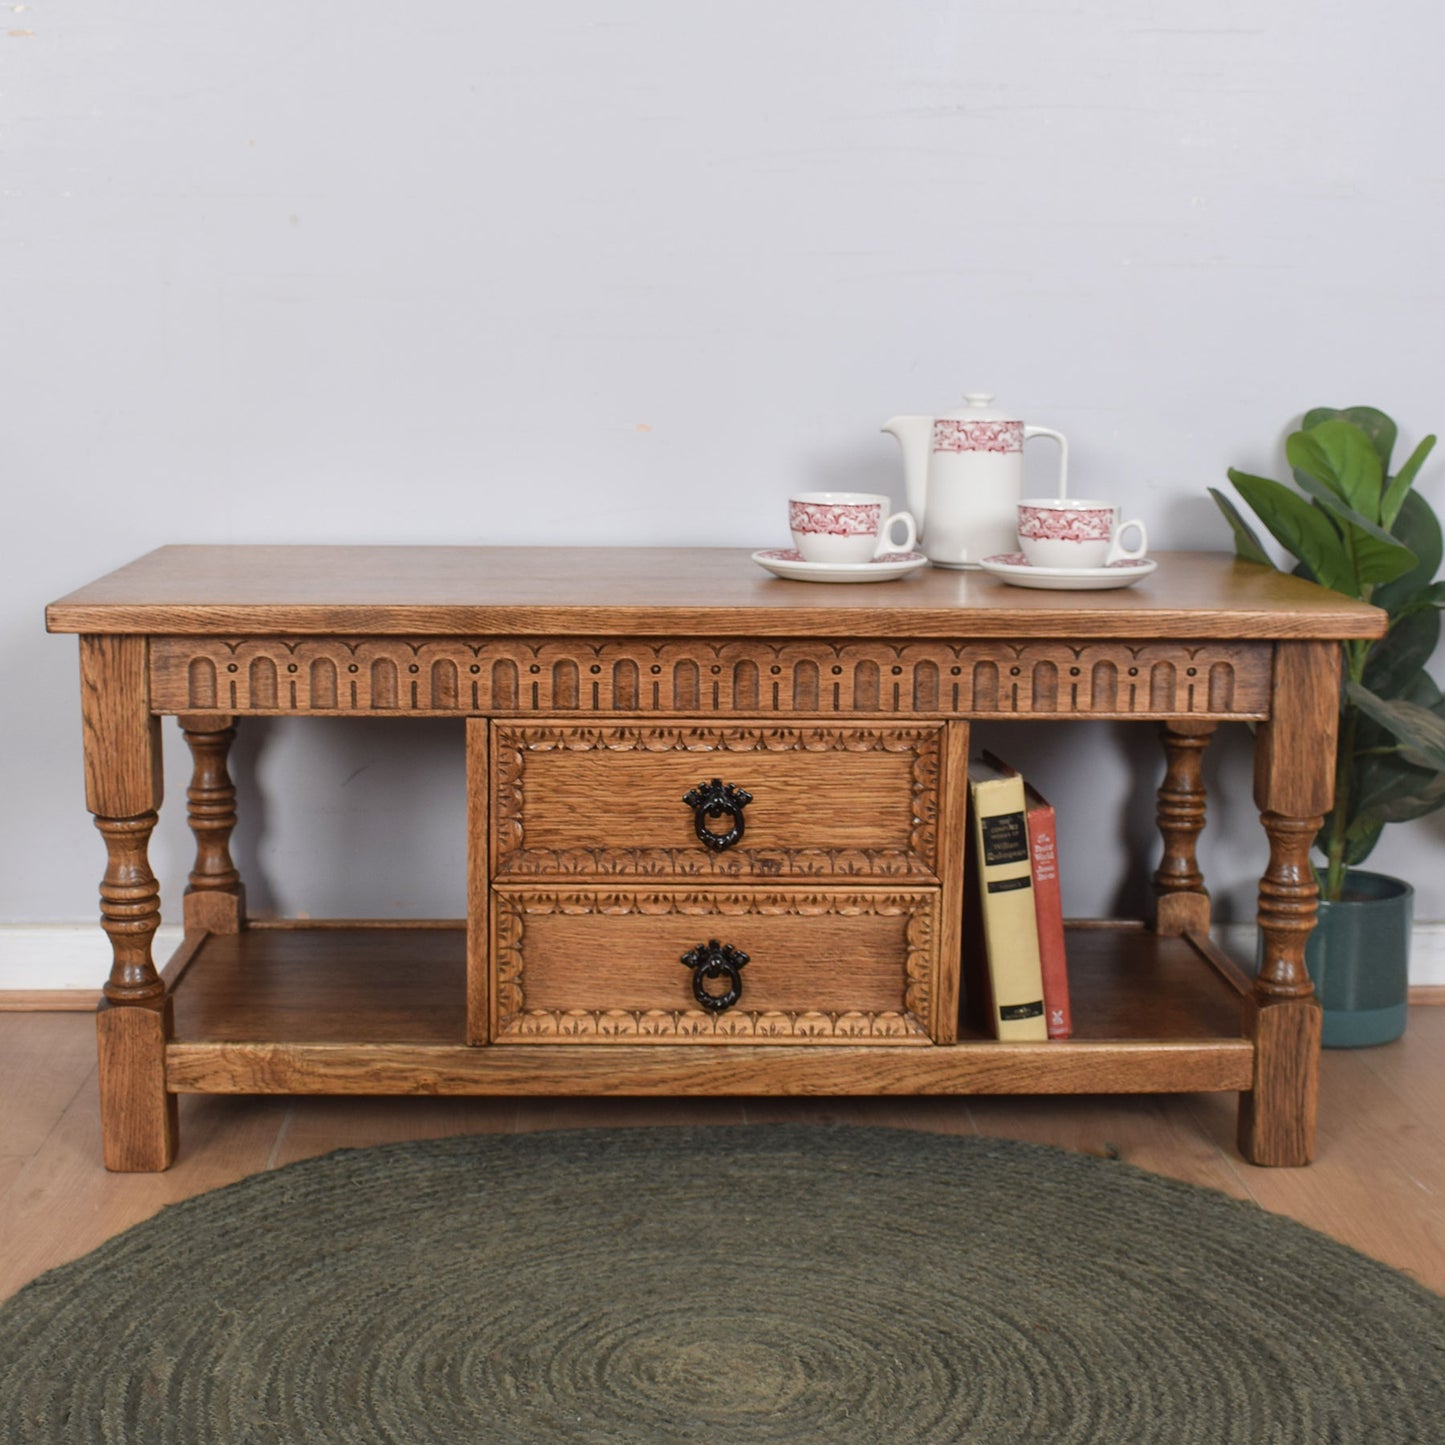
[
  {"x": 1049, "y": 912},
  {"x": 1006, "y": 906}
]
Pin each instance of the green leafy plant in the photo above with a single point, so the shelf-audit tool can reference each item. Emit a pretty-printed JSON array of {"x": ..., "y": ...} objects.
[{"x": 1354, "y": 527}]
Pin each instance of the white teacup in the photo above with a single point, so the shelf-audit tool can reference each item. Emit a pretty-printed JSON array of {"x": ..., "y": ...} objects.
[
  {"x": 847, "y": 527},
  {"x": 1076, "y": 532}
]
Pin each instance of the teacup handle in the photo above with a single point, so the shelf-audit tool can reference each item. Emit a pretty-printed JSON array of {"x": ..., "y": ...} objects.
[
  {"x": 1058, "y": 436},
  {"x": 885, "y": 535},
  {"x": 1118, "y": 552}
]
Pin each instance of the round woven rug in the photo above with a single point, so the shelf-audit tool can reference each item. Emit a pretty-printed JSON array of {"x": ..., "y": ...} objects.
[{"x": 785, "y": 1283}]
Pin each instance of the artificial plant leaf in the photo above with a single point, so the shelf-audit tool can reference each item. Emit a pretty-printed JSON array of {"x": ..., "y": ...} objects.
[
  {"x": 1399, "y": 810},
  {"x": 1304, "y": 531},
  {"x": 1359, "y": 847},
  {"x": 1384, "y": 774},
  {"x": 1246, "y": 542},
  {"x": 1419, "y": 529},
  {"x": 1339, "y": 455},
  {"x": 1381, "y": 774},
  {"x": 1427, "y": 599},
  {"x": 1385, "y": 789},
  {"x": 1398, "y": 657},
  {"x": 1416, "y": 796},
  {"x": 1379, "y": 428},
  {"x": 1335, "y": 834},
  {"x": 1420, "y": 732},
  {"x": 1398, "y": 486},
  {"x": 1377, "y": 556}
]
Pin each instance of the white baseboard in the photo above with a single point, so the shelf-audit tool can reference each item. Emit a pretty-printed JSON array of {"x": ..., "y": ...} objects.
[
  {"x": 47, "y": 957},
  {"x": 43, "y": 957},
  {"x": 1427, "y": 955}
]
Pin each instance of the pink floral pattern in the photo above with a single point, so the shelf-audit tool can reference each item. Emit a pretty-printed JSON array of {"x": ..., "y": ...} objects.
[
  {"x": 977, "y": 436},
  {"x": 886, "y": 559},
  {"x": 1053, "y": 524},
  {"x": 1017, "y": 559},
  {"x": 835, "y": 519}
]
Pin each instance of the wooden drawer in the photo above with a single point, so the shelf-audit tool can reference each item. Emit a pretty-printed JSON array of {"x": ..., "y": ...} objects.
[
  {"x": 827, "y": 802},
  {"x": 827, "y": 966}
]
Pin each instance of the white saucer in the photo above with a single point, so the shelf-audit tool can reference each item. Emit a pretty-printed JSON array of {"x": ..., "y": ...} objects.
[
  {"x": 1015, "y": 569},
  {"x": 785, "y": 562}
]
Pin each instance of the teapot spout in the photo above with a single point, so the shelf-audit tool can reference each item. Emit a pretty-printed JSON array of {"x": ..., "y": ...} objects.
[{"x": 914, "y": 434}]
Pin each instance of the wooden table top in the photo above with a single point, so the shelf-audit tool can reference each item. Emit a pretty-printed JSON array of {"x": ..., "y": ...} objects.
[{"x": 453, "y": 591}]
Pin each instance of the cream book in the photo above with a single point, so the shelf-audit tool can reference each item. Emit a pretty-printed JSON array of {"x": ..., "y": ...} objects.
[
  {"x": 1048, "y": 904},
  {"x": 1004, "y": 978}
]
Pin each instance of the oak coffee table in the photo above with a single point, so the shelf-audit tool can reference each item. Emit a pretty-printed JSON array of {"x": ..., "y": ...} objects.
[{"x": 715, "y": 827}]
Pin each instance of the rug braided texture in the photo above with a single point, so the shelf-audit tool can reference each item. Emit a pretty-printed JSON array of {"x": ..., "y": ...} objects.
[{"x": 786, "y": 1283}]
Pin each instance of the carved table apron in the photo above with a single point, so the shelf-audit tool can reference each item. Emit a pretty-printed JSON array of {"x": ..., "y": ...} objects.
[{"x": 715, "y": 827}]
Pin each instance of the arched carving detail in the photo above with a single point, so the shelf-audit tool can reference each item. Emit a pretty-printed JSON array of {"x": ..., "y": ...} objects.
[
  {"x": 384, "y": 684},
  {"x": 1045, "y": 688},
  {"x": 505, "y": 685},
  {"x": 1105, "y": 680},
  {"x": 444, "y": 683},
  {"x": 925, "y": 687},
  {"x": 1221, "y": 688},
  {"x": 1162, "y": 683},
  {"x": 261, "y": 677},
  {"x": 201, "y": 676},
  {"x": 806, "y": 693},
  {"x": 323, "y": 682},
  {"x": 745, "y": 684},
  {"x": 685, "y": 685},
  {"x": 986, "y": 687},
  {"x": 866, "y": 686},
  {"x": 625, "y": 685},
  {"x": 739, "y": 677},
  {"x": 565, "y": 681}
]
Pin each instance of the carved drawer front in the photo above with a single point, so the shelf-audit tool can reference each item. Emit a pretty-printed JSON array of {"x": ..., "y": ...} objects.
[
  {"x": 706, "y": 967},
  {"x": 715, "y": 801}
]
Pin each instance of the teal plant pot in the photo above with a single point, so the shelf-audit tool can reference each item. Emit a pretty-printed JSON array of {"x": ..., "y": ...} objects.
[{"x": 1359, "y": 961}]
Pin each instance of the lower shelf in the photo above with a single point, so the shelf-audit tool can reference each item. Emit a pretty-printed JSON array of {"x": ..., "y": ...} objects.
[{"x": 368, "y": 1009}]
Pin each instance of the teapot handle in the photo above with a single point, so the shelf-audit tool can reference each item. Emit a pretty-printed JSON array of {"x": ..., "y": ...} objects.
[{"x": 1058, "y": 436}]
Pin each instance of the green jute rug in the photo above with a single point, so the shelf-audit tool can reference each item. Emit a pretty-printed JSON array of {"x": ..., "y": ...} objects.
[{"x": 785, "y": 1283}]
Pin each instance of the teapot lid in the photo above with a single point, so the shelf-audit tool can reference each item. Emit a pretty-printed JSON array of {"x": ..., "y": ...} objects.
[{"x": 978, "y": 406}]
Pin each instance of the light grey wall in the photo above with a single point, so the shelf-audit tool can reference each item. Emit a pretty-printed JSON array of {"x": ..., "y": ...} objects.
[{"x": 631, "y": 271}]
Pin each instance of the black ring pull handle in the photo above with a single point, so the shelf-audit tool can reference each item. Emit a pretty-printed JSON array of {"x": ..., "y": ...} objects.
[
  {"x": 718, "y": 799},
  {"x": 710, "y": 962}
]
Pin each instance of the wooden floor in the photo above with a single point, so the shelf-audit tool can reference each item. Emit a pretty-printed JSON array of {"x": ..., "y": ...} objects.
[{"x": 1378, "y": 1181}]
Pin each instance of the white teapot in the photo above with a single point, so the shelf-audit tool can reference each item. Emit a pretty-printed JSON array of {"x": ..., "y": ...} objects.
[{"x": 963, "y": 474}]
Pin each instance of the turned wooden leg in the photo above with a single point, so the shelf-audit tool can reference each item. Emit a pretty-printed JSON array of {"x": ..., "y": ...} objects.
[
  {"x": 123, "y": 791},
  {"x": 1293, "y": 788},
  {"x": 1183, "y": 900},
  {"x": 1277, "y": 1118},
  {"x": 130, "y": 911},
  {"x": 138, "y": 1116},
  {"x": 215, "y": 900}
]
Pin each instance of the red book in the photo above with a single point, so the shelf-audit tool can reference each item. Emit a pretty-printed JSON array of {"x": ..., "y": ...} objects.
[{"x": 1048, "y": 906}]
